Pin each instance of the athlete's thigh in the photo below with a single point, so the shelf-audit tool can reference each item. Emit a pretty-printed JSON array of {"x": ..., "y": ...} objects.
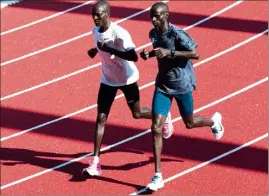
[
  {"x": 131, "y": 93},
  {"x": 185, "y": 105},
  {"x": 161, "y": 103},
  {"x": 106, "y": 96}
]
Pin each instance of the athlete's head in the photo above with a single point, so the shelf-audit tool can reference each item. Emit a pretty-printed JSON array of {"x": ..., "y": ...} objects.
[
  {"x": 159, "y": 13},
  {"x": 100, "y": 13}
]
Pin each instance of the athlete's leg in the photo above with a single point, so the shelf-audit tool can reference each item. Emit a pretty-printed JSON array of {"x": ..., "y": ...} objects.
[
  {"x": 185, "y": 104},
  {"x": 160, "y": 108},
  {"x": 106, "y": 97},
  {"x": 132, "y": 96}
]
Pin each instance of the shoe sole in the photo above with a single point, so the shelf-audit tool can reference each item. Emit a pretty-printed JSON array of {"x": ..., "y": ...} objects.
[
  {"x": 152, "y": 189},
  {"x": 85, "y": 172}
]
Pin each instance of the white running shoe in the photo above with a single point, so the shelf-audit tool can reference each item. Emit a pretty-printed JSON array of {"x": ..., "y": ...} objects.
[
  {"x": 168, "y": 127},
  {"x": 156, "y": 183},
  {"x": 217, "y": 128},
  {"x": 94, "y": 169}
]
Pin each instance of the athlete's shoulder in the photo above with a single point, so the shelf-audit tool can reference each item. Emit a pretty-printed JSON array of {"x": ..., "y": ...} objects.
[
  {"x": 176, "y": 29},
  {"x": 185, "y": 39},
  {"x": 120, "y": 32},
  {"x": 119, "y": 29}
]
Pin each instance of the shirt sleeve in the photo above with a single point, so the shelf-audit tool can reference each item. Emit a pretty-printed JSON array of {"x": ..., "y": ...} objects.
[
  {"x": 125, "y": 39},
  {"x": 185, "y": 41}
]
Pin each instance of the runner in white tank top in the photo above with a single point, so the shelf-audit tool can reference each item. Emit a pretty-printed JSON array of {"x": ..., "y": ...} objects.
[{"x": 117, "y": 50}]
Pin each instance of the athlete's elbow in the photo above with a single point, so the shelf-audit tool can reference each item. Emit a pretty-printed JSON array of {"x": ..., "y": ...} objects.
[
  {"x": 132, "y": 56},
  {"x": 196, "y": 56}
]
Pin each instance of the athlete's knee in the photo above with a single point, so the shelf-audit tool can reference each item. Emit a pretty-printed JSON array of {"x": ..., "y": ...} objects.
[
  {"x": 101, "y": 119},
  {"x": 135, "y": 109},
  {"x": 188, "y": 121}
]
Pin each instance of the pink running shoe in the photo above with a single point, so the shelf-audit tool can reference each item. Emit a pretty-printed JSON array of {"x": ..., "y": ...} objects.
[
  {"x": 168, "y": 127},
  {"x": 94, "y": 169}
]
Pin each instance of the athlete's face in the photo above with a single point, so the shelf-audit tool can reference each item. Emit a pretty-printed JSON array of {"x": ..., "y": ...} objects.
[
  {"x": 100, "y": 16},
  {"x": 158, "y": 17}
]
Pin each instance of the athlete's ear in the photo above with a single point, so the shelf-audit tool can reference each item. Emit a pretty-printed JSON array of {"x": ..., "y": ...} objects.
[
  {"x": 166, "y": 15},
  {"x": 107, "y": 14}
]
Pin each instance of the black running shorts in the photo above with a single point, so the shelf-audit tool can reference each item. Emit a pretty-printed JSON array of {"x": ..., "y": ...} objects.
[{"x": 107, "y": 95}]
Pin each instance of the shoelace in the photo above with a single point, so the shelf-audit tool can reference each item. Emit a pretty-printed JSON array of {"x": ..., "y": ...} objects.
[
  {"x": 217, "y": 129},
  {"x": 155, "y": 179},
  {"x": 214, "y": 130}
]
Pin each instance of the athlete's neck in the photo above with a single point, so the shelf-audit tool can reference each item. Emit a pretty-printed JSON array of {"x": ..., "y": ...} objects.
[
  {"x": 163, "y": 28},
  {"x": 105, "y": 27}
]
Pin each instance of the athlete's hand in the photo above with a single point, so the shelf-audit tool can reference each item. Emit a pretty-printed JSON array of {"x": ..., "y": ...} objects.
[
  {"x": 92, "y": 52},
  {"x": 144, "y": 54},
  {"x": 161, "y": 52},
  {"x": 103, "y": 46}
]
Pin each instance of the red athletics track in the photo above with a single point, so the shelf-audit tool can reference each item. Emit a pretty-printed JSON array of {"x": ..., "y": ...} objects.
[{"x": 127, "y": 167}]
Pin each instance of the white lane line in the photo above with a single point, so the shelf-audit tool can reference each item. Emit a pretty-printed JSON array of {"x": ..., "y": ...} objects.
[
  {"x": 69, "y": 40},
  {"x": 207, "y": 162},
  {"x": 92, "y": 66},
  {"x": 121, "y": 95},
  {"x": 46, "y": 18},
  {"x": 131, "y": 138}
]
